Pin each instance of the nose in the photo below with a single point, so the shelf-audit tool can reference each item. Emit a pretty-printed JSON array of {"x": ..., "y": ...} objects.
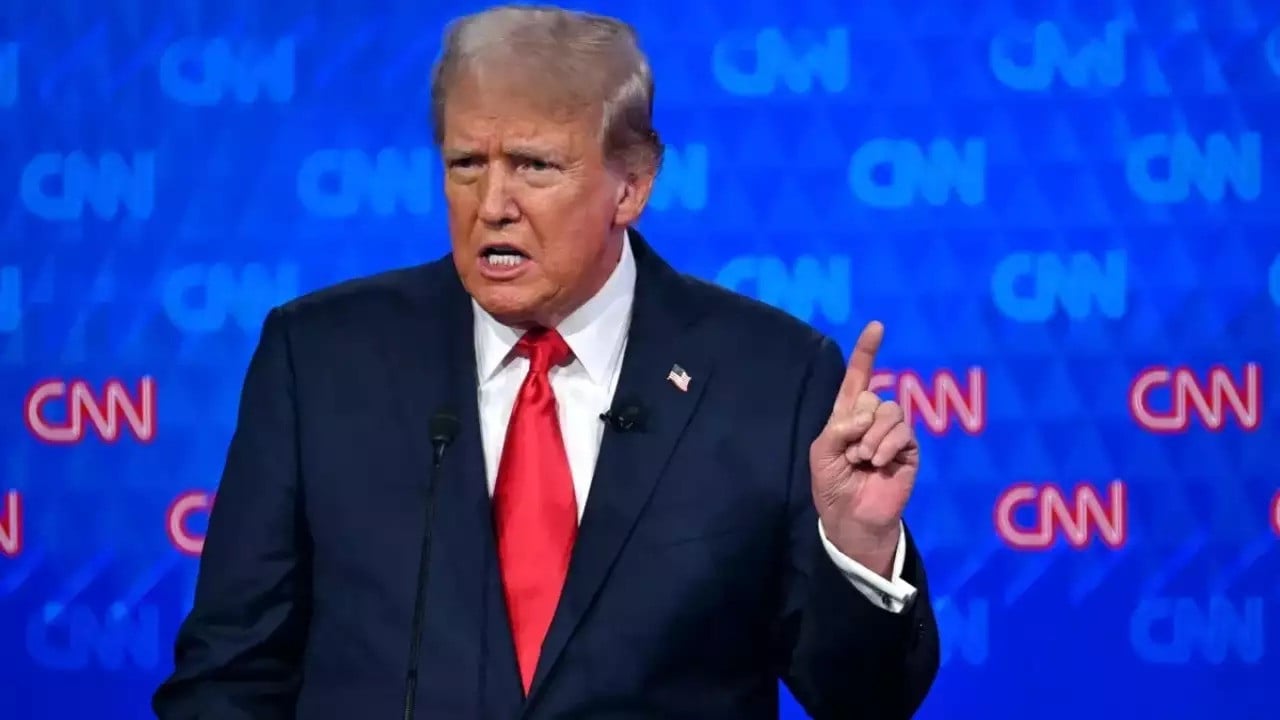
[{"x": 497, "y": 207}]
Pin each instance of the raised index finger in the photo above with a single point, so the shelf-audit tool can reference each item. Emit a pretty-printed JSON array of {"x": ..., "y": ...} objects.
[{"x": 861, "y": 362}]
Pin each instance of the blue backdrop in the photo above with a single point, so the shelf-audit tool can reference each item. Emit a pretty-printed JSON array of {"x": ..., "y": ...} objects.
[{"x": 1066, "y": 214}]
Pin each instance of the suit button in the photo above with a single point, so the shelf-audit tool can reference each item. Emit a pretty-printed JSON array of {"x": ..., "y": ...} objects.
[{"x": 914, "y": 641}]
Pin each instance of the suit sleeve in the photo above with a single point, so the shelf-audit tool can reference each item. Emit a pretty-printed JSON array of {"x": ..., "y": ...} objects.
[
  {"x": 237, "y": 654},
  {"x": 844, "y": 656}
]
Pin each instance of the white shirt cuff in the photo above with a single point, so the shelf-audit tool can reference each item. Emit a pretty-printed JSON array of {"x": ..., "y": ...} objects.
[{"x": 893, "y": 594}]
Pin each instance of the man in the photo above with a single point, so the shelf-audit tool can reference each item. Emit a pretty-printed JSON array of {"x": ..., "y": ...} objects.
[{"x": 734, "y": 519}]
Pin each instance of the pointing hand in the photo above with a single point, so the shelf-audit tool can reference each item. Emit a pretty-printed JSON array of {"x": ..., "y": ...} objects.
[{"x": 863, "y": 464}]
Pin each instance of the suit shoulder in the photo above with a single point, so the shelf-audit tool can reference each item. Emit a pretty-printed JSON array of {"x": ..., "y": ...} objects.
[
  {"x": 379, "y": 292},
  {"x": 748, "y": 320}
]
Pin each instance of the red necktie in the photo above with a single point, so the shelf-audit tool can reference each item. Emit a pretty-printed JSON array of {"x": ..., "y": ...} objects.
[{"x": 535, "y": 513}]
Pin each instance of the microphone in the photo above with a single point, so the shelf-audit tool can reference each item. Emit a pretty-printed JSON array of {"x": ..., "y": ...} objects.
[
  {"x": 626, "y": 416},
  {"x": 444, "y": 428}
]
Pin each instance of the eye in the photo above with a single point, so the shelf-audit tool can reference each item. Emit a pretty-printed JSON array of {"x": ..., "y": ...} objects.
[
  {"x": 535, "y": 164},
  {"x": 464, "y": 162}
]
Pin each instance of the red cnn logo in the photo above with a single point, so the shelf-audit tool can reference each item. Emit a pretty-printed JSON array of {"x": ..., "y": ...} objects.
[
  {"x": 103, "y": 413},
  {"x": 1207, "y": 400},
  {"x": 11, "y": 525},
  {"x": 940, "y": 400},
  {"x": 183, "y": 507},
  {"x": 1275, "y": 514},
  {"x": 1075, "y": 517}
]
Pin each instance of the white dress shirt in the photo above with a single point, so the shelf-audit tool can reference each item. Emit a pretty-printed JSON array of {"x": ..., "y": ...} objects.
[{"x": 597, "y": 335}]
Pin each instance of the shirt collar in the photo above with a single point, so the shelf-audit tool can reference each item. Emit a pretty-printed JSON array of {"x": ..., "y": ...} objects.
[{"x": 594, "y": 332}]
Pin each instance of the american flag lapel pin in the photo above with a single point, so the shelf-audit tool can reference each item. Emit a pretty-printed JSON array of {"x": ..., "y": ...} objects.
[{"x": 679, "y": 378}]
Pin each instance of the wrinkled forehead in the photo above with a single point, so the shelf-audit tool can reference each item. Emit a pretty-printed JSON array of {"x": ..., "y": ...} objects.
[{"x": 514, "y": 101}]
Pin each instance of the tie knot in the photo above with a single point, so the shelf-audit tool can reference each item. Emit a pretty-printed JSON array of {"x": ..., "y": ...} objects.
[{"x": 545, "y": 349}]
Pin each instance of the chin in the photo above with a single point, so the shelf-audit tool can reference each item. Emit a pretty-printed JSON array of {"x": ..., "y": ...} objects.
[
  {"x": 523, "y": 301},
  {"x": 508, "y": 305}
]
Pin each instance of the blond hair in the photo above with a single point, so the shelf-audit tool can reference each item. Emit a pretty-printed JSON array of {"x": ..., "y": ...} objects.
[{"x": 574, "y": 60}]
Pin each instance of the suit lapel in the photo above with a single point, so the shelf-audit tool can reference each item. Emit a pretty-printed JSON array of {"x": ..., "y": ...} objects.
[
  {"x": 660, "y": 336},
  {"x": 434, "y": 369},
  {"x": 500, "y": 689}
]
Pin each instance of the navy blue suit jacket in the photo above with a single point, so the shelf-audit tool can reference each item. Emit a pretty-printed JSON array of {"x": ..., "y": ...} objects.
[{"x": 697, "y": 582}]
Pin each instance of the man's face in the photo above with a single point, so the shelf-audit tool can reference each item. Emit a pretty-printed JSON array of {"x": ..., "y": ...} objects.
[{"x": 535, "y": 212}]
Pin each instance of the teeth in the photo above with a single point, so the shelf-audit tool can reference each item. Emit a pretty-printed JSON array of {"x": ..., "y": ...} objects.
[{"x": 508, "y": 260}]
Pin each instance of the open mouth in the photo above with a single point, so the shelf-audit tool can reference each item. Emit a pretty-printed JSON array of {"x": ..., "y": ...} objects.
[{"x": 503, "y": 255}]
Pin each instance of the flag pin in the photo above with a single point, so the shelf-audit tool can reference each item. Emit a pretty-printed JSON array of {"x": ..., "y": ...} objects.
[{"x": 679, "y": 378}]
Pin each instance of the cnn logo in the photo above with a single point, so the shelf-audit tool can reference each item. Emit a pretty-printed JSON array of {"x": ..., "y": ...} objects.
[
  {"x": 940, "y": 403},
  {"x": 1075, "y": 516},
  {"x": 11, "y": 524},
  {"x": 106, "y": 414},
  {"x": 178, "y": 517},
  {"x": 1214, "y": 401}
]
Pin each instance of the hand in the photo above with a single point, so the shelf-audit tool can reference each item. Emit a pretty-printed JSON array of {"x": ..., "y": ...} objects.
[{"x": 863, "y": 464}]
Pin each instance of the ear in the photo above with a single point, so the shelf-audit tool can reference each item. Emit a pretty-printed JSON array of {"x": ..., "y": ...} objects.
[{"x": 633, "y": 195}]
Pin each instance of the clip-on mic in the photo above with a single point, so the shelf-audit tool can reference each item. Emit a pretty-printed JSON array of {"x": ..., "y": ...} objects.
[{"x": 625, "y": 417}]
